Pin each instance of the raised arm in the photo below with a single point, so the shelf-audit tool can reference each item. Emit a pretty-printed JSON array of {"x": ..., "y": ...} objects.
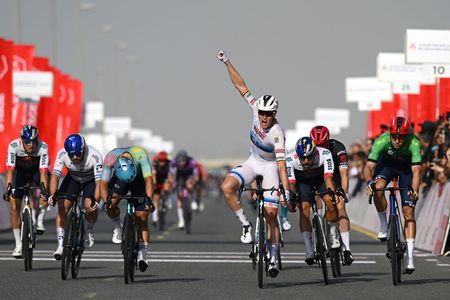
[{"x": 236, "y": 78}]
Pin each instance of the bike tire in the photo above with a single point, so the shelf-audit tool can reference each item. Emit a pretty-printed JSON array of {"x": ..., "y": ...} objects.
[
  {"x": 335, "y": 262},
  {"x": 392, "y": 249},
  {"x": 27, "y": 252},
  {"x": 161, "y": 219},
  {"x": 187, "y": 214},
  {"x": 127, "y": 248},
  {"x": 261, "y": 251},
  {"x": 280, "y": 265},
  {"x": 135, "y": 249},
  {"x": 79, "y": 247},
  {"x": 320, "y": 248},
  {"x": 66, "y": 258}
]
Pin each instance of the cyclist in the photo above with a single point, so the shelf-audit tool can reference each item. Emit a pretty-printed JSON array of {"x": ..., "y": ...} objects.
[
  {"x": 84, "y": 164},
  {"x": 396, "y": 153},
  {"x": 27, "y": 162},
  {"x": 129, "y": 169},
  {"x": 183, "y": 173},
  {"x": 321, "y": 137},
  {"x": 267, "y": 158},
  {"x": 199, "y": 187},
  {"x": 310, "y": 167},
  {"x": 160, "y": 170}
]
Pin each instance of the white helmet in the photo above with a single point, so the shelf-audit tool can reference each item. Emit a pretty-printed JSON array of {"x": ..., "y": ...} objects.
[{"x": 267, "y": 103}]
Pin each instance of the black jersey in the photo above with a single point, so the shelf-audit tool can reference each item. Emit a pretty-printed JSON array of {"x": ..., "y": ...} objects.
[
  {"x": 340, "y": 160},
  {"x": 161, "y": 171}
]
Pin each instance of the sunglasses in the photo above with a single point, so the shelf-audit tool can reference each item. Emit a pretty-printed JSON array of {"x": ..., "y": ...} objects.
[
  {"x": 399, "y": 137},
  {"x": 308, "y": 158},
  {"x": 29, "y": 142},
  {"x": 75, "y": 154},
  {"x": 266, "y": 113}
]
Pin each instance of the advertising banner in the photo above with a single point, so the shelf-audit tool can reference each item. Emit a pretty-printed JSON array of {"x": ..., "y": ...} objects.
[
  {"x": 367, "y": 89},
  {"x": 427, "y": 46},
  {"x": 6, "y": 134}
]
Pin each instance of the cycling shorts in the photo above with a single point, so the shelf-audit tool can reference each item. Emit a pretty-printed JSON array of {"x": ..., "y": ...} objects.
[
  {"x": 246, "y": 174},
  {"x": 305, "y": 188},
  {"x": 136, "y": 188},
  {"x": 21, "y": 178},
  {"x": 388, "y": 171},
  {"x": 71, "y": 186}
]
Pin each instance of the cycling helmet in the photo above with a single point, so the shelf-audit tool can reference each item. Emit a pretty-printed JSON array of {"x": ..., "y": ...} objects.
[
  {"x": 162, "y": 155},
  {"x": 267, "y": 103},
  {"x": 305, "y": 147},
  {"x": 399, "y": 126},
  {"x": 29, "y": 133},
  {"x": 181, "y": 157},
  {"x": 74, "y": 145},
  {"x": 320, "y": 135},
  {"x": 125, "y": 169}
]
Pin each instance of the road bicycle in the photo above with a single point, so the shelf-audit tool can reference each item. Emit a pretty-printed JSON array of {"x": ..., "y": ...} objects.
[
  {"x": 74, "y": 234},
  {"x": 396, "y": 246},
  {"x": 162, "y": 209},
  {"x": 186, "y": 205},
  {"x": 28, "y": 229},
  {"x": 260, "y": 254},
  {"x": 130, "y": 238}
]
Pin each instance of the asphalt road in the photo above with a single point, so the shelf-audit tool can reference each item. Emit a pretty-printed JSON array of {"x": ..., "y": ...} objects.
[{"x": 211, "y": 263}]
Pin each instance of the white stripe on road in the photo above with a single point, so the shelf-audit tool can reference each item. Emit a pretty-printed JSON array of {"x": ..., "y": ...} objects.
[{"x": 177, "y": 260}]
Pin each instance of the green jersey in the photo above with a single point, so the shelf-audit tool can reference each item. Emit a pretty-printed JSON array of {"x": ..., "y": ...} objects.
[{"x": 409, "y": 152}]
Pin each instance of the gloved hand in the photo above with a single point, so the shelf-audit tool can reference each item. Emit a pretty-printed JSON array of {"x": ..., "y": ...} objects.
[
  {"x": 150, "y": 204},
  {"x": 413, "y": 195},
  {"x": 222, "y": 56},
  {"x": 370, "y": 185},
  {"x": 8, "y": 193}
]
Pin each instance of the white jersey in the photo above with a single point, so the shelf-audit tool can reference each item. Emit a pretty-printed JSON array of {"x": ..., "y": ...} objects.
[
  {"x": 322, "y": 165},
  {"x": 88, "y": 169},
  {"x": 18, "y": 157},
  {"x": 267, "y": 144}
]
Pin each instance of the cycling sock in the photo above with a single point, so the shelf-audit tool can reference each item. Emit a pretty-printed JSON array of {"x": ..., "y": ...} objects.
[
  {"x": 345, "y": 235},
  {"x": 33, "y": 215},
  {"x": 89, "y": 226},
  {"x": 60, "y": 236},
  {"x": 41, "y": 215},
  {"x": 273, "y": 253},
  {"x": 308, "y": 243},
  {"x": 283, "y": 212},
  {"x": 383, "y": 221},
  {"x": 116, "y": 222},
  {"x": 16, "y": 232},
  {"x": 241, "y": 216},
  {"x": 143, "y": 248},
  {"x": 333, "y": 226},
  {"x": 180, "y": 214},
  {"x": 155, "y": 216},
  {"x": 410, "y": 246}
]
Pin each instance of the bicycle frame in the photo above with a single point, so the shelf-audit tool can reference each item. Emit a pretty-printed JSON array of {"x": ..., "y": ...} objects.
[{"x": 395, "y": 249}]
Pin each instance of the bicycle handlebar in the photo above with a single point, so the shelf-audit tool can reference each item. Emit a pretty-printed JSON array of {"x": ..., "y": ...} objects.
[
  {"x": 390, "y": 189},
  {"x": 59, "y": 196}
]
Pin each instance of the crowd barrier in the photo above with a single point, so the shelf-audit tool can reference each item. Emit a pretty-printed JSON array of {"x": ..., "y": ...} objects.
[
  {"x": 432, "y": 216},
  {"x": 5, "y": 220}
]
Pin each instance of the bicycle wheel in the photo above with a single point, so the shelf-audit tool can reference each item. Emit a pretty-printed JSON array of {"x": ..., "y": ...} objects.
[
  {"x": 27, "y": 250},
  {"x": 127, "y": 248},
  {"x": 162, "y": 213},
  {"x": 335, "y": 260},
  {"x": 320, "y": 247},
  {"x": 69, "y": 232},
  {"x": 187, "y": 213},
  {"x": 280, "y": 266},
  {"x": 392, "y": 250},
  {"x": 79, "y": 247},
  {"x": 261, "y": 250}
]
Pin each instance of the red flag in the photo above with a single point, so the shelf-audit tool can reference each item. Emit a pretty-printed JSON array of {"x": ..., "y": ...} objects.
[
  {"x": 422, "y": 107},
  {"x": 444, "y": 96},
  {"x": 22, "y": 61},
  {"x": 6, "y": 132}
]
